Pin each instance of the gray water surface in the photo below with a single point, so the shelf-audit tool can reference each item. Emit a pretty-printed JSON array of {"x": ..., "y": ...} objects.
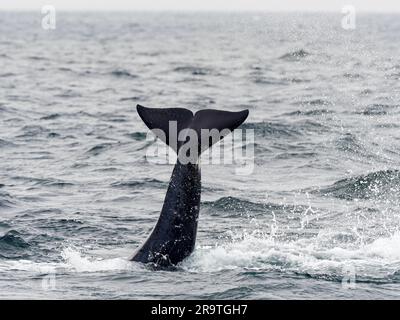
[{"x": 78, "y": 194}]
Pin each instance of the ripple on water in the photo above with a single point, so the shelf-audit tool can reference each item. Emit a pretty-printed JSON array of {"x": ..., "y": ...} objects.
[
  {"x": 52, "y": 116},
  {"x": 138, "y": 136},
  {"x": 31, "y": 131},
  {"x": 6, "y": 143},
  {"x": 12, "y": 240},
  {"x": 285, "y": 130},
  {"x": 381, "y": 184},
  {"x": 138, "y": 184},
  {"x": 123, "y": 73},
  {"x": 6, "y": 201},
  {"x": 351, "y": 144},
  {"x": 243, "y": 207},
  {"x": 378, "y": 109},
  {"x": 194, "y": 70},
  {"x": 13, "y": 245},
  {"x": 99, "y": 149},
  {"x": 295, "y": 55}
]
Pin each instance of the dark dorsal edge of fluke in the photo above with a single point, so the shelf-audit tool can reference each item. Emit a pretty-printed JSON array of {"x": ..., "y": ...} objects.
[{"x": 174, "y": 236}]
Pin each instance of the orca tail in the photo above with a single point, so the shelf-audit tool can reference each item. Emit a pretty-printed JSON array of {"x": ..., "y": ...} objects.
[{"x": 176, "y": 126}]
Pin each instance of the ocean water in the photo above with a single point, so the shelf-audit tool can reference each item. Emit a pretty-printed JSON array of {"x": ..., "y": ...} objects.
[{"x": 319, "y": 215}]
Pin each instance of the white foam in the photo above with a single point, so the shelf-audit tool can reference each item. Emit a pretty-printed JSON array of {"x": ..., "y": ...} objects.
[
  {"x": 73, "y": 261},
  {"x": 312, "y": 256},
  {"x": 254, "y": 251},
  {"x": 76, "y": 261},
  {"x": 385, "y": 248}
]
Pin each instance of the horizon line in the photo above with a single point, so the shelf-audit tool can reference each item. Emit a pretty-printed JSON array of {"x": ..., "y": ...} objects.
[{"x": 185, "y": 10}]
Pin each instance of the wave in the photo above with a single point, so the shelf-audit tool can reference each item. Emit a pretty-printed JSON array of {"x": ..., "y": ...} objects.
[
  {"x": 245, "y": 207},
  {"x": 6, "y": 200},
  {"x": 122, "y": 73},
  {"x": 136, "y": 184},
  {"x": 76, "y": 261},
  {"x": 12, "y": 241},
  {"x": 271, "y": 129},
  {"x": 350, "y": 143},
  {"x": 293, "y": 155},
  {"x": 65, "y": 69},
  {"x": 52, "y": 116},
  {"x": 3, "y": 109},
  {"x": 48, "y": 182},
  {"x": 285, "y": 130},
  {"x": 99, "y": 149},
  {"x": 315, "y": 112},
  {"x": 232, "y": 204},
  {"x": 111, "y": 116},
  {"x": 326, "y": 256},
  {"x": 318, "y": 257},
  {"x": 316, "y": 102},
  {"x": 32, "y": 131},
  {"x": 37, "y": 58},
  {"x": 134, "y": 98},
  {"x": 295, "y": 55},
  {"x": 56, "y": 183},
  {"x": 350, "y": 75},
  {"x": 375, "y": 185},
  {"x": 7, "y": 75},
  {"x": 64, "y": 224},
  {"x": 260, "y": 79},
  {"x": 296, "y": 80},
  {"x": 5, "y": 143},
  {"x": 195, "y": 71},
  {"x": 69, "y": 94},
  {"x": 378, "y": 109},
  {"x": 138, "y": 136},
  {"x": 53, "y": 135},
  {"x": 72, "y": 260}
]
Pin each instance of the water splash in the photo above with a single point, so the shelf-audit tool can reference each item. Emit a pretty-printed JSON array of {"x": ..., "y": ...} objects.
[{"x": 327, "y": 254}]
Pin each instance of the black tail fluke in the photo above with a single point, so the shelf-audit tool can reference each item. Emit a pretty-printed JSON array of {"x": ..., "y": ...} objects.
[
  {"x": 175, "y": 126},
  {"x": 159, "y": 120}
]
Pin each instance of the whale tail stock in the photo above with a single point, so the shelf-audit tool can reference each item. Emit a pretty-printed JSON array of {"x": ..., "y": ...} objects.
[
  {"x": 174, "y": 236},
  {"x": 177, "y": 126}
]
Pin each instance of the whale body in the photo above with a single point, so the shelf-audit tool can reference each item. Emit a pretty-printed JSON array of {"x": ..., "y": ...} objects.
[{"x": 174, "y": 236}]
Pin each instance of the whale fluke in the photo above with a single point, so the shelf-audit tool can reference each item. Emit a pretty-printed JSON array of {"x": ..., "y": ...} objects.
[
  {"x": 159, "y": 119},
  {"x": 174, "y": 236}
]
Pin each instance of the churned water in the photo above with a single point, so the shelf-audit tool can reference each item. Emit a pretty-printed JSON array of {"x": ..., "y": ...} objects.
[{"x": 318, "y": 216}]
